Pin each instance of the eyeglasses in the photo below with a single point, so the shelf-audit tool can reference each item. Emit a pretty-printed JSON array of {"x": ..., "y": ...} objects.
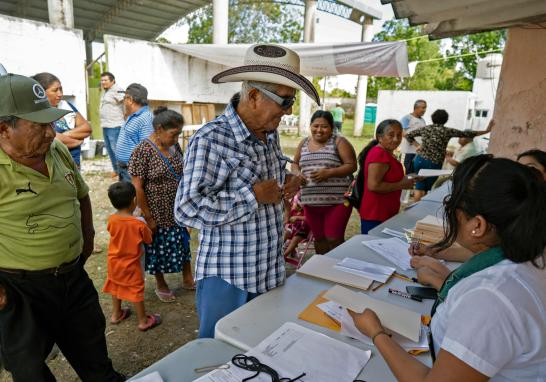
[{"x": 283, "y": 102}]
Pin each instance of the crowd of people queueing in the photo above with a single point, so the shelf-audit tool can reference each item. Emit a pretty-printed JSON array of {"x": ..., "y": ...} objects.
[{"x": 232, "y": 184}]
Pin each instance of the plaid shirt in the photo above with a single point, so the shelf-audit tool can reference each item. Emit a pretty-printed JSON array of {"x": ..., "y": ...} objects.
[{"x": 240, "y": 240}]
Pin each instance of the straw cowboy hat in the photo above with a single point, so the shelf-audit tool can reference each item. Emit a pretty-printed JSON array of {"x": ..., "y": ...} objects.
[{"x": 273, "y": 64}]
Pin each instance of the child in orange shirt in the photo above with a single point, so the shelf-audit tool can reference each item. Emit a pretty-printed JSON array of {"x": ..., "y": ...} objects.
[{"x": 125, "y": 279}]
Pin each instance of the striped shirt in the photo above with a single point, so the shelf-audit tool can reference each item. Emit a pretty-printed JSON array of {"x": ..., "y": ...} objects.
[
  {"x": 332, "y": 190},
  {"x": 137, "y": 128},
  {"x": 240, "y": 240}
]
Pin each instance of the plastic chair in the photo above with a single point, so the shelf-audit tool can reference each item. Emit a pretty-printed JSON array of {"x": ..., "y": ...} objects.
[{"x": 300, "y": 254}]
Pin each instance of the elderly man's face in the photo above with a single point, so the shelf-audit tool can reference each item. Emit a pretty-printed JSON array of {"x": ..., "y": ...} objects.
[
  {"x": 28, "y": 139},
  {"x": 270, "y": 111}
]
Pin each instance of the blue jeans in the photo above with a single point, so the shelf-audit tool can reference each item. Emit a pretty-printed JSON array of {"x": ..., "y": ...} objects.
[
  {"x": 216, "y": 298},
  {"x": 408, "y": 163},
  {"x": 123, "y": 174},
  {"x": 110, "y": 135},
  {"x": 421, "y": 163},
  {"x": 367, "y": 225}
]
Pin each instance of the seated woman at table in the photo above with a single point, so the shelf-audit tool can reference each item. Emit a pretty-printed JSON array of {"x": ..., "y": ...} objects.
[
  {"x": 488, "y": 321},
  {"x": 534, "y": 158},
  {"x": 384, "y": 177}
]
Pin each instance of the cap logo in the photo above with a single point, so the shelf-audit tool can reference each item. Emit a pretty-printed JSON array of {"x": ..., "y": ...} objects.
[
  {"x": 38, "y": 91},
  {"x": 269, "y": 51}
]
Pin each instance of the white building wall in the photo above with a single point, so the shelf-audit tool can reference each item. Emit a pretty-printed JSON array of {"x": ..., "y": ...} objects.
[
  {"x": 168, "y": 75},
  {"x": 29, "y": 47},
  {"x": 397, "y": 103}
]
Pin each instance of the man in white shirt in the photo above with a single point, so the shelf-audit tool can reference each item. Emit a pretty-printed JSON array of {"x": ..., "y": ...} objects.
[
  {"x": 410, "y": 122},
  {"x": 111, "y": 115}
]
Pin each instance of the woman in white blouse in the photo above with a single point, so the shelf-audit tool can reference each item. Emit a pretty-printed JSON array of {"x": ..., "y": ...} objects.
[{"x": 489, "y": 322}]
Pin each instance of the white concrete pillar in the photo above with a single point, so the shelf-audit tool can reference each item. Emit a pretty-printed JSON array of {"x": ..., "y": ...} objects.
[
  {"x": 308, "y": 36},
  {"x": 61, "y": 13},
  {"x": 362, "y": 86},
  {"x": 220, "y": 21}
]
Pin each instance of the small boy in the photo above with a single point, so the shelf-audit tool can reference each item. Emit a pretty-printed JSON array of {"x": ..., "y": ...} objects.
[{"x": 125, "y": 279}]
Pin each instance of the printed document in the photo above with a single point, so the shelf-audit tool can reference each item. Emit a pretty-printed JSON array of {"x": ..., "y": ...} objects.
[
  {"x": 292, "y": 350},
  {"x": 394, "y": 250},
  {"x": 371, "y": 271}
]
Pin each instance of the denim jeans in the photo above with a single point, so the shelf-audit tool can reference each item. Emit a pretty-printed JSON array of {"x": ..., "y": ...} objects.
[
  {"x": 110, "y": 135},
  {"x": 123, "y": 173}
]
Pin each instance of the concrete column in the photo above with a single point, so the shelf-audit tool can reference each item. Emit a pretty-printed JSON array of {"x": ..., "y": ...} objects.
[
  {"x": 362, "y": 86},
  {"x": 61, "y": 13},
  {"x": 220, "y": 21},
  {"x": 89, "y": 54},
  {"x": 308, "y": 36}
]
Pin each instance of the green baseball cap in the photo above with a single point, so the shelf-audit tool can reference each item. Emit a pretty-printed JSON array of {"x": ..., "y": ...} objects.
[{"x": 24, "y": 98}]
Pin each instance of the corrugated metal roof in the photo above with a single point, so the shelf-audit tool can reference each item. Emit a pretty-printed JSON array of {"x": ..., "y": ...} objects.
[
  {"x": 447, "y": 18},
  {"x": 138, "y": 19}
]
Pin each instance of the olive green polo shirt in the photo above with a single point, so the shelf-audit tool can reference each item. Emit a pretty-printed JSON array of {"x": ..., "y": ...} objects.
[{"x": 40, "y": 223}]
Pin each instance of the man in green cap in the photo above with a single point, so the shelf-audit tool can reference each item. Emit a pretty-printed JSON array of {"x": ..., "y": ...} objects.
[{"x": 46, "y": 234}]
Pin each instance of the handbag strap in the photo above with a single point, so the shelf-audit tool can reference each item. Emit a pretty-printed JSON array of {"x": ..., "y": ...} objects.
[{"x": 165, "y": 159}]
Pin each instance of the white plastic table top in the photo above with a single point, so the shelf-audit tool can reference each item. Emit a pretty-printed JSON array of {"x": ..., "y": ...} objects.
[
  {"x": 248, "y": 325},
  {"x": 180, "y": 365},
  {"x": 438, "y": 194}
]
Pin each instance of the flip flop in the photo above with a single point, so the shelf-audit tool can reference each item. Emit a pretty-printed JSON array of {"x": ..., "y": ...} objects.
[
  {"x": 125, "y": 313},
  {"x": 152, "y": 320},
  {"x": 188, "y": 287},
  {"x": 165, "y": 296}
]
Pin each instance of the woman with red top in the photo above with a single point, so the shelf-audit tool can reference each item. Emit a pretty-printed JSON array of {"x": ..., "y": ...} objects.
[{"x": 384, "y": 177}]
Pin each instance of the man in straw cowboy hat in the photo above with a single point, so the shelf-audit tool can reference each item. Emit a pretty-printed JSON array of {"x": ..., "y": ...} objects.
[
  {"x": 46, "y": 234},
  {"x": 234, "y": 182}
]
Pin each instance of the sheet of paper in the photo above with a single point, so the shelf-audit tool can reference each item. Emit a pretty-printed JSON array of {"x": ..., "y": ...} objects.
[
  {"x": 152, "y": 377},
  {"x": 292, "y": 350},
  {"x": 393, "y": 317},
  {"x": 394, "y": 250},
  {"x": 427, "y": 172},
  {"x": 323, "y": 267},
  {"x": 372, "y": 271},
  {"x": 332, "y": 309},
  {"x": 392, "y": 232}
]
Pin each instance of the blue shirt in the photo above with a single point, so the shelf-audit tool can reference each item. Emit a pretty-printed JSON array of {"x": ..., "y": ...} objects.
[
  {"x": 137, "y": 128},
  {"x": 240, "y": 240}
]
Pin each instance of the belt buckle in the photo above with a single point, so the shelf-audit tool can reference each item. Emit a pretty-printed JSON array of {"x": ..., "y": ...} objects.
[{"x": 56, "y": 273}]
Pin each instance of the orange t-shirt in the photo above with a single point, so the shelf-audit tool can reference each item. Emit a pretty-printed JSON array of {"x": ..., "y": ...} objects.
[{"x": 124, "y": 278}]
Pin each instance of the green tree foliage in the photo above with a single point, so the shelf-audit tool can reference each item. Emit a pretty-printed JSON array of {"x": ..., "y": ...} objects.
[
  {"x": 250, "y": 22},
  {"x": 479, "y": 42}
]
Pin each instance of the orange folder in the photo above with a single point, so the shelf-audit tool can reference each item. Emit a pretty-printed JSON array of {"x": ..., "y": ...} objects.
[{"x": 316, "y": 316}]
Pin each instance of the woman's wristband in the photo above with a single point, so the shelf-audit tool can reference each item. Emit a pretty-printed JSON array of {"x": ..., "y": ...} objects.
[{"x": 379, "y": 333}]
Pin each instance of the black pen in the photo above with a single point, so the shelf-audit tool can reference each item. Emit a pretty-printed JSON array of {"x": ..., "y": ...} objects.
[{"x": 405, "y": 295}]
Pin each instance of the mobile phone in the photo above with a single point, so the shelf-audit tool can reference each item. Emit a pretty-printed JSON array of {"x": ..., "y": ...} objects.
[{"x": 423, "y": 292}]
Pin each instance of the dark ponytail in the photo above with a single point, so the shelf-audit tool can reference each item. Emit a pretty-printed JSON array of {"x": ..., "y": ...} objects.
[
  {"x": 167, "y": 119},
  {"x": 512, "y": 199}
]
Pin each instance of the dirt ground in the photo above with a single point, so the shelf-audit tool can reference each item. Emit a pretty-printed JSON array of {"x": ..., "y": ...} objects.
[{"x": 132, "y": 350}]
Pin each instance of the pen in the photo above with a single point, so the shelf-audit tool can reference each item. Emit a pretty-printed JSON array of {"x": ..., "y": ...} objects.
[{"x": 405, "y": 295}]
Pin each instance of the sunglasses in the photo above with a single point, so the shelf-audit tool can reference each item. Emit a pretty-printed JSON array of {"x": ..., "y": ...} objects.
[{"x": 283, "y": 102}]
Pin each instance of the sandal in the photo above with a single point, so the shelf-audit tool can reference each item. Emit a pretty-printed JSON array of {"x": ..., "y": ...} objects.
[
  {"x": 125, "y": 313},
  {"x": 165, "y": 296},
  {"x": 188, "y": 286},
  {"x": 152, "y": 320}
]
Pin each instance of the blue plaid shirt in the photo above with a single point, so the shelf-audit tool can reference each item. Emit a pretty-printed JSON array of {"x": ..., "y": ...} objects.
[
  {"x": 137, "y": 127},
  {"x": 240, "y": 240}
]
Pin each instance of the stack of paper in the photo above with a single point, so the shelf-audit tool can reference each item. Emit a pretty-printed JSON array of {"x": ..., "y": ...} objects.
[
  {"x": 392, "y": 232},
  {"x": 324, "y": 267},
  {"x": 399, "y": 320},
  {"x": 429, "y": 230},
  {"x": 372, "y": 271},
  {"x": 292, "y": 350},
  {"x": 427, "y": 172},
  {"x": 394, "y": 250}
]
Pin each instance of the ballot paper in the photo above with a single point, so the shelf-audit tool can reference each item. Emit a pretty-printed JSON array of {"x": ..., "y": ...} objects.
[
  {"x": 392, "y": 232},
  {"x": 394, "y": 250},
  {"x": 428, "y": 172},
  {"x": 371, "y": 271},
  {"x": 292, "y": 350},
  {"x": 399, "y": 320}
]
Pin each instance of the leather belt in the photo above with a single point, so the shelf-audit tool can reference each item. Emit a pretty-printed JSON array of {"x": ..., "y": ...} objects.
[{"x": 55, "y": 271}]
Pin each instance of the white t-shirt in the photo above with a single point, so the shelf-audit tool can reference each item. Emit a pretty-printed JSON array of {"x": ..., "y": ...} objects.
[
  {"x": 410, "y": 123},
  {"x": 495, "y": 321}
]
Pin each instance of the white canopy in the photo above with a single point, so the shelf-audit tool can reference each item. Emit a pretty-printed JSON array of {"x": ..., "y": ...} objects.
[{"x": 382, "y": 59}]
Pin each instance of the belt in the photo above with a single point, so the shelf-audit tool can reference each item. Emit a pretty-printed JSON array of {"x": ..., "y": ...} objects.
[{"x": 55, "y": 271}]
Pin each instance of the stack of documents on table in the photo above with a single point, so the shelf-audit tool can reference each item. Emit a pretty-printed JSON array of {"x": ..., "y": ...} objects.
[
  {"x": 428, "y": 172},
  {"x": 348, "y": 328},
  {"x": 292, "y": 350},
  {"x": 393, "y": 250},
  {"x": 324, "y": 267},
  {"x": 397, "y": 319},
  {"x": 392, "y": 232},
  {"x": 372, "y": 271},
  {"x": 429, "y": 230}
]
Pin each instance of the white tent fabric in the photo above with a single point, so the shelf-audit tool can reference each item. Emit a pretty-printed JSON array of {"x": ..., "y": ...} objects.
[{"x": 382, "y": 59}]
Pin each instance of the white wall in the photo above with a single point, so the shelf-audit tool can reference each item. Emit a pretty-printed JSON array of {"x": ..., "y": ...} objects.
[
  {"x": 29, "y": 47},
  {"x": 397, "y": 103},
  {"x": 168, "y": 75}
]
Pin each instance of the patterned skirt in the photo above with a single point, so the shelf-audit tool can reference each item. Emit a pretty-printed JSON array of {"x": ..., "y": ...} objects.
[{"x": 170, "y": 248}]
